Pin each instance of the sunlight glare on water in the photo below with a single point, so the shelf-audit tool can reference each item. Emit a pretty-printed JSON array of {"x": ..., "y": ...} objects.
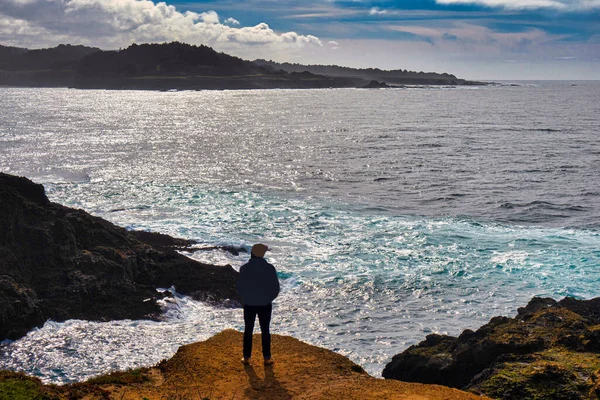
[{"x": 391, "y": 214}]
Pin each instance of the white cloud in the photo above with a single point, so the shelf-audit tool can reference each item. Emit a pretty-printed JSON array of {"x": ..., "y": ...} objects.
[
  {"x": 432, "y": 33},
  {"x": 232, "y": 21},
  {"x": 333, "y": 43},
  {"x": 530, "y": 4},
  {"x": 590, "y": 4},
  {"x": 261, "y": 34},
  {"x": 117, "y": 23},
  {"x": 210, "y": 17},
  {"x": 377, "y": 11},
  {"x": 472, "y": 36},
  {"x": 478, "y": 61}
]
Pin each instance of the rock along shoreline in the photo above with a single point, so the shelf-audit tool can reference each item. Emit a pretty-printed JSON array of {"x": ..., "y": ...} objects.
[
  {"x": 61, "y": 263},
  {"x": 550, "y": 350}
]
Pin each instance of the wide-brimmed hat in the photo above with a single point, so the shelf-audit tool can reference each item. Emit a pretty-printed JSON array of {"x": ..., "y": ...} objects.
[{"x": 259, "y": 250}]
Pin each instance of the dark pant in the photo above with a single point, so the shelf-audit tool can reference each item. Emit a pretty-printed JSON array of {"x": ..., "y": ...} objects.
[{"x": 264, "y": 319}]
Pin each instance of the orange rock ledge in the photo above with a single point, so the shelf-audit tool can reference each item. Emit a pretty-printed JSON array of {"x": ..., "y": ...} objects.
[{"x": 213, "y": 370}]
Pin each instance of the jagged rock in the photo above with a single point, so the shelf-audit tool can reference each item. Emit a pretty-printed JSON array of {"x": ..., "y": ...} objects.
[
  {"x": 19, "y": 306},
  {"x": 60, "y": 263},
  {"x": 536, "y": 304},
  {"x": 547, "y": 344},
  {"x": 556, "y": 374},
  {"x": 161, "y": 240},
  {"x": 376, "y": 85},
  {"x": 589, "y": 309}
]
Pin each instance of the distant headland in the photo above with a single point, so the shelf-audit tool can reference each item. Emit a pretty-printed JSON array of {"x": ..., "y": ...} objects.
[{"x": 181, "y": 66}]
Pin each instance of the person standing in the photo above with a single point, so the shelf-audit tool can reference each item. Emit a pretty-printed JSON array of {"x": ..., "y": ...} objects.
[{"x": 258, "y": 286}]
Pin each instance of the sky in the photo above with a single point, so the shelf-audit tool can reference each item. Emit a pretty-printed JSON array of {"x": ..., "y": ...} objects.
[{"x": 472, "y": 39}]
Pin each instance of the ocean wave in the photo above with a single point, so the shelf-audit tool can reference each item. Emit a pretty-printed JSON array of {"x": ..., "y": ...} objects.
[
  {"x": 458, "y": 233},
  {"x": 537, "y": 205}
]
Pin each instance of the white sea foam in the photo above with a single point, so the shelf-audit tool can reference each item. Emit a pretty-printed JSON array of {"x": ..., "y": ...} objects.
[
  {"x": 348, "y": 283},
  {"x": 391, "y": 214}
]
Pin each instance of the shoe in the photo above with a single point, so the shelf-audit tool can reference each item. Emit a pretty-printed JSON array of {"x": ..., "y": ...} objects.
[
  {"x": 246, "y": 361},
  {"x": 269, "y": 361}
]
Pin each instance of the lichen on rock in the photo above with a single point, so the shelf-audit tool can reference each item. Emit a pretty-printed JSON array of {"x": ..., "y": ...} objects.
[{"x": 550, "y": 350}]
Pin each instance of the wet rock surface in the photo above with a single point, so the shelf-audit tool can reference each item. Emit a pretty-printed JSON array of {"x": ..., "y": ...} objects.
[
  {"x": 61, "y": 263},
  {"x": 550, "y": 350}
]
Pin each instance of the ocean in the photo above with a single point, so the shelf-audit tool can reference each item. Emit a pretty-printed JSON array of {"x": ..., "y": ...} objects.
[{"x": 391, "y": 213}]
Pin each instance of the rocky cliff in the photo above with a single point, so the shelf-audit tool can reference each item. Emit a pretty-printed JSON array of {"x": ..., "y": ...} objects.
[
  {"x": 212, "y": 370},
  {"x": 60, "y": 263},
  {"x": 550, "y": 350}
]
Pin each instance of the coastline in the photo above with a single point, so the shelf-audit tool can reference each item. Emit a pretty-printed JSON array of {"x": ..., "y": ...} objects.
[
  {"x": 61, "y": 263},
  {"x": 553, "y": 340},
  {"x": 179, "y": 66},
  {"x": 212, "y": 370}
]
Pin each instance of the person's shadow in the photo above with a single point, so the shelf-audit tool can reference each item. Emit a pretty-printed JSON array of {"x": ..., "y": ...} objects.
[{"x": 268, "y": 388}]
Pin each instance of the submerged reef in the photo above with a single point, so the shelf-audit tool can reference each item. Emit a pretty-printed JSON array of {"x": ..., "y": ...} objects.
[
  {"x": 550, "y": 350},
  {"x": 60, "y": 263}
]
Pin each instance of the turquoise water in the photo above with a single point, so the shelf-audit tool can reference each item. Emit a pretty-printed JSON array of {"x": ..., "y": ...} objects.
[
  {"x": 374, "y": 252},
  {"x": 361, "y": 281}
]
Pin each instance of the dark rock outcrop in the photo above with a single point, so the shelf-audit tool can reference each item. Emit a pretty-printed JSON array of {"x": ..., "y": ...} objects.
[
  {"x": 549, "y": 350},
  {"x": 376, "y": 85},
  {"x": 161, "y": 240},
  {"x": 61, "y": 263}
]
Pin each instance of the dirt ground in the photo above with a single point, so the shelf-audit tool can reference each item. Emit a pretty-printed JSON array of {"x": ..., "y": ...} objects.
[{"x": 212, "y": 370}]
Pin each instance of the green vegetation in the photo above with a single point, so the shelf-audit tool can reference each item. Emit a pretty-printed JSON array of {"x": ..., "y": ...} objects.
[
  {"x": 553, "y": 374},
  {"x": 137, "y": 375},
  {"x": 18, "y": 386}
]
